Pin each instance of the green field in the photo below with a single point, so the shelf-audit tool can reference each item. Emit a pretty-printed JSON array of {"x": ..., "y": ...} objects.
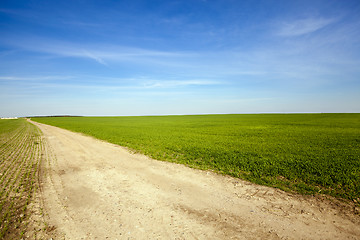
[
  {"x": 307, "y": 153},
  {"x": 20, "y": 158}
]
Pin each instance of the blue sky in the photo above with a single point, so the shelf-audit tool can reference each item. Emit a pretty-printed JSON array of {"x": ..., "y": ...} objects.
[{"x": 178, "y": 57}]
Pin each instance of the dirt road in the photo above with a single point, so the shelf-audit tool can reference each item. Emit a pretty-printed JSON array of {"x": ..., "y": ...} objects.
[{"x": 96, "y": 190}]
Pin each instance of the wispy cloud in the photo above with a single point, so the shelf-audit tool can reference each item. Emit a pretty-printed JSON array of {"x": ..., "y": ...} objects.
[
  {"x": 35, "y": 78},
  {"x": 101, "y": 84},
  {"x": 83, "y": 24},
  {"x": 178, "y": 83},
  {"x": 96, "y": 58},
  {"x": 306, "y": 61},
  {"x": 100, "y": 53},
  {"x": 302, "y": 26}
]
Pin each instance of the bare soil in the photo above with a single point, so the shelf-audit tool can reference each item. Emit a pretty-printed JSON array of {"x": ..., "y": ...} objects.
[{"x": 96, "y": 190}]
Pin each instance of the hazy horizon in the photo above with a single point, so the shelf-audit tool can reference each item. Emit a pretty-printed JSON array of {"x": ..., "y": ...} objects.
[
  {"x": 164, "y": 115},
  {"x": 120, "y": 58}
]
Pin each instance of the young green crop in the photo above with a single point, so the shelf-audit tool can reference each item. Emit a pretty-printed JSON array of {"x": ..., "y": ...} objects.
[
  {"x": 20, "y": 156},
  {"x": 303, "y": 152}
]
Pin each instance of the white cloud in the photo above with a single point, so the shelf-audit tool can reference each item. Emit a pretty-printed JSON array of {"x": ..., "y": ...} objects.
[
  {"x": 35, "y": 78},
  {"x": 302, "y": 26},
  {"x": 98, "y": 52},
  {"x": 178, "y": 83},
  {"x": 96, "y": 58},
  {"x": 99, "y": 83}
]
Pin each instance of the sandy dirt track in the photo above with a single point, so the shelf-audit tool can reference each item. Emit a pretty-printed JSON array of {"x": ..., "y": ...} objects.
[{"x": 96, "y": 190}]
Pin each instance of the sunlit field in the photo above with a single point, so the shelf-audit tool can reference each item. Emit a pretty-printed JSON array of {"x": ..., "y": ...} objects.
[
  {"x": 306, "y": 153},
  {"x": 20, "y": 157}
]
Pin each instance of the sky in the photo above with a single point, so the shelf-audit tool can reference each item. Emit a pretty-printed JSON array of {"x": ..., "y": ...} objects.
[{"x": 121, "y": 58}]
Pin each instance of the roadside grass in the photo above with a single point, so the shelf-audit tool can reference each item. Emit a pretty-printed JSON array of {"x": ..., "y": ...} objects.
[
  {"x": 20, "y": 156},
  {"x": 306, "y": 153}
]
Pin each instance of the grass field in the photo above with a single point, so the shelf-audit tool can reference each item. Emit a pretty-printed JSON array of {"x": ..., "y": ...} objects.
[
  {"x": 20, "y": 156},
  {"x": 307, "y": 153}
]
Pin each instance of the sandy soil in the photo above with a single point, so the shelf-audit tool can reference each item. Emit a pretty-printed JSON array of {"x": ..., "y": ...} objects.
[{"x": 97, "y": 190}]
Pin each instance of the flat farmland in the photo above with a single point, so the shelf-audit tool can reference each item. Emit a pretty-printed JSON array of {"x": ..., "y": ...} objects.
[
  {"x": 306, "y": 153},
  {"x": 20, "y": 158}
]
